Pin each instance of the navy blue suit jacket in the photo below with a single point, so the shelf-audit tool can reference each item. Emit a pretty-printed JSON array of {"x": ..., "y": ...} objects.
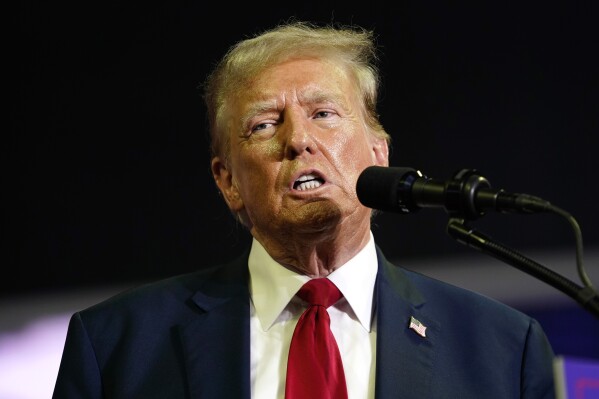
[{"x": 189, "y": 337}]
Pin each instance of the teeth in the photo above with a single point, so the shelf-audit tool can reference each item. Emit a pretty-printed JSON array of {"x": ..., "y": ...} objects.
[
  {"x": 307, "y": 177},
  {"x": 309, "y": 185},
  {"x": 307, "y": 182}
]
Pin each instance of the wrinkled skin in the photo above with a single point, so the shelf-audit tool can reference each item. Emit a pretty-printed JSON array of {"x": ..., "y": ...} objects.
[{"x": 303, "y": 117}]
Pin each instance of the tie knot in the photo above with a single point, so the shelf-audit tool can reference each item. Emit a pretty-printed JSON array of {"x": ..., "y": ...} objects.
[{"x": 320, "y": 291}]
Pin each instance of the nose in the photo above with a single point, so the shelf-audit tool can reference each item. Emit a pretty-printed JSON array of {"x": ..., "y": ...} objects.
[{"x": 299, "y": 137}]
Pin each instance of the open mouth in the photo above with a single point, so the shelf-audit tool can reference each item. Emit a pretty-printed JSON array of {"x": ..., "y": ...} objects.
[{"x": 308, "y": 182}]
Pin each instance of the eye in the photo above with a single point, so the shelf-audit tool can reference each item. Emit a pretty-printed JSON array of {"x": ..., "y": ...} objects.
[
  {"x": 261, "y": 126},
  {"x": 262, "y": 130},
  {"x": 322, "y": 114}
]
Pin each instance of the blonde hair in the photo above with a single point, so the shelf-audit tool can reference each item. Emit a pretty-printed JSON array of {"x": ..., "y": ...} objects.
[{"x": 350, "y": 46}]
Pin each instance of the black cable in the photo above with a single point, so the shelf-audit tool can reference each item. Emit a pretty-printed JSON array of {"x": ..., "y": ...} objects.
[{"x": 579, "y": 248}]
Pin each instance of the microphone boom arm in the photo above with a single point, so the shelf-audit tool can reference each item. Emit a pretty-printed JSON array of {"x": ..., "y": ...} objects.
[
  {"x": 468, "y": 196},
  {"x": 585, "y": 296}
]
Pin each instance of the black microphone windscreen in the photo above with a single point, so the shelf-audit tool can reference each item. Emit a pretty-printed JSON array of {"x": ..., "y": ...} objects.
[{"x": 378, "y": 187}]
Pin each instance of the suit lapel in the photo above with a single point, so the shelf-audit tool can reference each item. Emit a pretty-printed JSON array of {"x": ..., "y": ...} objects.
[
  {"x": 216, "y": 344},
  {"x": 404, "y": 357}
]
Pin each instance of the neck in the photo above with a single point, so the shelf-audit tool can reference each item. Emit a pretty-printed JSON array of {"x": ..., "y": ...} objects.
[{"x": 315, "y": 255}]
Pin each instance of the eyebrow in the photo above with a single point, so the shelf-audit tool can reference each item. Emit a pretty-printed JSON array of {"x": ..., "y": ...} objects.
[
  {"x": 319, "y": 96},
  {"x": 308, "y": 96},
  {"x": 257, "y": 108}
]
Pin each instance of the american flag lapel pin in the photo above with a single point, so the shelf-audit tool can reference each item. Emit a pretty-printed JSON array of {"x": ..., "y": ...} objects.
[{"x": 417, "y": 326}]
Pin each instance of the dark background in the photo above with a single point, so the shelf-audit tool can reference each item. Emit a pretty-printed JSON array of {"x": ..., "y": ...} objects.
[{"x": 106, "y": 168}]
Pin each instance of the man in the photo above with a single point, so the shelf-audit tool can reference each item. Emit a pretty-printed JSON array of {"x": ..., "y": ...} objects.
[{"x": 293, "y": 123}]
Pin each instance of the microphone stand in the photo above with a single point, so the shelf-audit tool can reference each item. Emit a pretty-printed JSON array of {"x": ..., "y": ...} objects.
[{"x": 585, "y": 296}]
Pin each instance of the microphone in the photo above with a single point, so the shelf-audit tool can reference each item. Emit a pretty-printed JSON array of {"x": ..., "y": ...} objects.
[{"x": 467, "y": 195}]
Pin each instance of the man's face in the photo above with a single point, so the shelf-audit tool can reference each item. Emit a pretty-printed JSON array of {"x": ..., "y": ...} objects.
[{"x": 298, "y": 144}]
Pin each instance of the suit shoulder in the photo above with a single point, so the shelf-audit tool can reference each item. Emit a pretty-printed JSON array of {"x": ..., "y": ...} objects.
[
  {"x": 162, "y": 296},
  {"x": 454, "y": 301}
]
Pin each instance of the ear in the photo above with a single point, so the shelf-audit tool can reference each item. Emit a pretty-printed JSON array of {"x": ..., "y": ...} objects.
[
  {"x": 380, "y": 151},
  {"x": 226, "y": 184}
]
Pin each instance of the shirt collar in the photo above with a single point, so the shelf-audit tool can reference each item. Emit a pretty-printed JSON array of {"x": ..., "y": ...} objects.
[{"x": 272, "y": 286}]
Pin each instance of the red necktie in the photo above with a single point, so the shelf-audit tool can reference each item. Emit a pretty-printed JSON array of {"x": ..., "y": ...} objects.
[{"x": 314, "y": 367}]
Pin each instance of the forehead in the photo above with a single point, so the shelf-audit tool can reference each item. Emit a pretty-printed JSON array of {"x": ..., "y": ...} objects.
[{"x": 298, "y": 79}]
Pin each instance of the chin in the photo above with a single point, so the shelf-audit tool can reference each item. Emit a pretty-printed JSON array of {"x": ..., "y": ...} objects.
[{"x": 317, "y": 217}]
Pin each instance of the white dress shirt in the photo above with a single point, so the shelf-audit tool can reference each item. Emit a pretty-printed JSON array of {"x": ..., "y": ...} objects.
[{"x": 275, "y": 311}]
